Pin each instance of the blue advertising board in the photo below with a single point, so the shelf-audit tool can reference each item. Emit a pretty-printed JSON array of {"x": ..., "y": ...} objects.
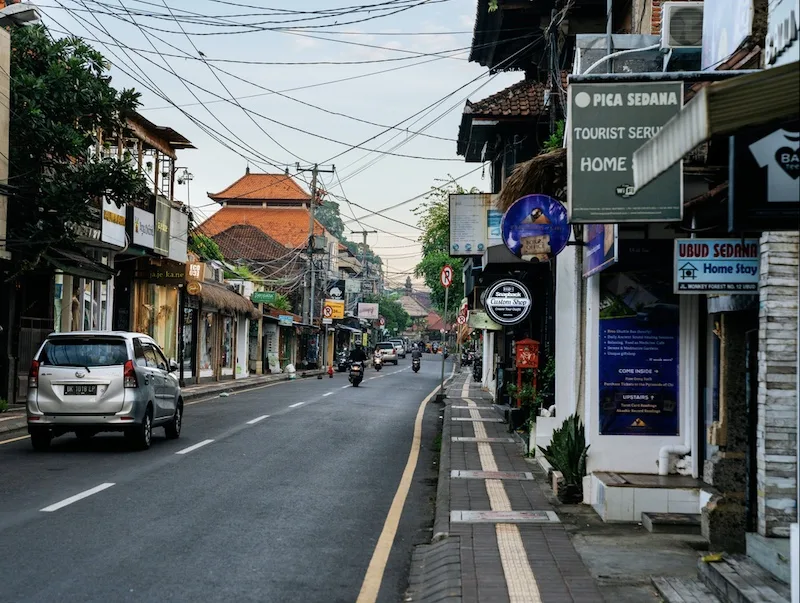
[
  {"x": 535, "y": 228},
  {"x": 638, "y": 356},
  {"x": 285, "y": 320},
  {"x": 601, "y": 249}
]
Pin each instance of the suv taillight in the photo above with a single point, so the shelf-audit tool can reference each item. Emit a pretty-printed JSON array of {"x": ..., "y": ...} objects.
[
  {"x": 129, "y": 373},
  {"x": 33, "y": 375}
]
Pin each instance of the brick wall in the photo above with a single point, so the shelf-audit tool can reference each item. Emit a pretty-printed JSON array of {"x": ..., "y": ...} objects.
[{"x": 777, "y": 383}]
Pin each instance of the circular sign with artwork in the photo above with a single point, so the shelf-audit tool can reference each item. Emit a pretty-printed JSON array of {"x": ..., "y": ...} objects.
[
  {"x": 508, "y": 302},
  {"x": 535, "y": 228},
  {"x": 194, "y": 288}
]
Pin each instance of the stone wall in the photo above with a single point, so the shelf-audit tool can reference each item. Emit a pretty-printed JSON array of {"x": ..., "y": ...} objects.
[{"x": 777, "y": 383}]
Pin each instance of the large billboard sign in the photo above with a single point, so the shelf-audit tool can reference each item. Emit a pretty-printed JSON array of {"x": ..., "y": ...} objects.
[{"x": 607, "y": 123}]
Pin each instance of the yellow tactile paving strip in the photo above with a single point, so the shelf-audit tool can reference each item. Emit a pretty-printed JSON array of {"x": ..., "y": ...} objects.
[{"x": 520, "y": 581}]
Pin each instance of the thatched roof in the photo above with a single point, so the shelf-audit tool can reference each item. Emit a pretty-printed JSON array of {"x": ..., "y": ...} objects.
[
  {"x": 223, "y": 298},
  {"x": 545, "y": 174}
]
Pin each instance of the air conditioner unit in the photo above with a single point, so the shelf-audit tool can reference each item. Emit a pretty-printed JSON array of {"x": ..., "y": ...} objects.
[{"x": 682, "y": 26}]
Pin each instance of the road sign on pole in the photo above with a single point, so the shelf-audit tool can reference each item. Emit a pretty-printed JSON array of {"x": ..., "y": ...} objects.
[{"x": 446, "y": 277}]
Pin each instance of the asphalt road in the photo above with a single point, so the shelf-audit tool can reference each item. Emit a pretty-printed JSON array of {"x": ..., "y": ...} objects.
[{"x": 283, "y": 508}]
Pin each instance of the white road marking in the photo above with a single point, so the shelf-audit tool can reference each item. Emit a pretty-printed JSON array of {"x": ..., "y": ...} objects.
[
  {"x": 328, "y": 394},
  {"x": 76, "y": 498},
  {"x": 194, "y": 447},
  {"x": 344, "y": 387},
  {"x": 257, "y": 419},
  {"x": 296, "y": 404}
]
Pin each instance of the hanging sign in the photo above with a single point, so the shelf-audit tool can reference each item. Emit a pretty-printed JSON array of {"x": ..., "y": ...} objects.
[
  {"x": 478, "y": 319},
  {"x": 333, "y": 309},
  {"x": 608, "y": 122},
  {"x": 368, "y": 311},
  {"x": 535, "y": 228},
  {"x": 286, "y": 320},
  {"x": 336, "y": 289},
  {"x": 765, "y": 179},
  {"x": 717, "y": 266},
  {"x": 508, "y": 302},
  {"x": 263, "y": 297},
  {"x": 601, "y": 249},
  {"x": 194, "y": 288},
  {"x": 474, "y": 224}
]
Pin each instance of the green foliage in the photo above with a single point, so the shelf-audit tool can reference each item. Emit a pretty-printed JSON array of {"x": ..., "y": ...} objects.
[
  {"x": 61, "y": 98},
  {"x": 205, "y": 247},
  {"x": 282, "y": 303},
  {"x": 434, "y": 220},
  {"x": 556, "y": 140},
  {"x": 397, "y": 319},
  {"x": 567, "y": 453},
  {"x": 328, "y": 215},
  {"x": 493, "y": 6},
  {"x": 3, "y": 405}
]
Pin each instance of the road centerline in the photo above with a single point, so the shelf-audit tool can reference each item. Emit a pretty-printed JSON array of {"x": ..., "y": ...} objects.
[
  {"x": 296, "y": 404},
  {"x": 72, "y": 499},
  {"x": 194, "y": 447},
  {"x": 328, "y": 394},
  {"x": 257, "y": 419}
]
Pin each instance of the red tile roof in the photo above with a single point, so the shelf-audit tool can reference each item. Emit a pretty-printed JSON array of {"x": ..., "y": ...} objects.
[
  {"x": 287, "y": 225},
  {"x": 522, "y": 99},
  {"x": 244, "y": 241},
  {"x": 435, "y": 322},
  {"x": 263, "y": 187}
]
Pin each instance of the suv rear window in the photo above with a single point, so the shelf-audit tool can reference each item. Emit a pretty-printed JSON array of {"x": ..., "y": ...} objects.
[
  {"x": 83, "y": 352},
  {"x": 385, "y": 346}
]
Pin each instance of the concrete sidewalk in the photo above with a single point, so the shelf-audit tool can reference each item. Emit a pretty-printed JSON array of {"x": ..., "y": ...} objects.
[
  {"x": 15, "y": 420},
  {"x": 496, "y": 537}
]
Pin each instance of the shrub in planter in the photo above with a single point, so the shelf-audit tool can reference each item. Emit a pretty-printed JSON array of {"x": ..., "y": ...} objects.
[{"x": 567, "y": 453}]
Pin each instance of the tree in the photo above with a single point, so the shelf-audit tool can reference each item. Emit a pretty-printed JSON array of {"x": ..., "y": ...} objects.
[
  {"x": 204, "y": 246},
  {"x": 397, "y": 319},
  {"x": 328, "y": 215},
  {"x": 61, "y": 101},
  {"x": 434, "y": 220}
]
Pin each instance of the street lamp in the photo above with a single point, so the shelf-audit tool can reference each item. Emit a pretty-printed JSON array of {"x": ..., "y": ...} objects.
[{"x": 185, "y": 176}]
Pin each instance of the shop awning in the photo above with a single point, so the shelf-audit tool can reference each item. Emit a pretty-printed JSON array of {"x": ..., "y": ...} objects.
[
  {"x": 346, "y": 328},
  {"x": 222, "y": 298},
  {"x": 720, "y": 109},
  {"x": 75, "y": 264}
]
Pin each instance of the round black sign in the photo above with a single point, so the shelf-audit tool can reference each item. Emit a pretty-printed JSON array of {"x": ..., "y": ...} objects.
[{"x": 508, "y": 302}]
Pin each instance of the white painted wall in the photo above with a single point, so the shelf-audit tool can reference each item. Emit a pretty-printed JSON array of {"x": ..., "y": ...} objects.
[
  {"x": 569, "y": 281},
  {"x": 242, "y": 348},
  {"x": 639, "y": 454}
]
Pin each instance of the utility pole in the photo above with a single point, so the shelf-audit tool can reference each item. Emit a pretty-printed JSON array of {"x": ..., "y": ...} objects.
[
  {"x": 308, "y": 305},
  {"x": 364, "y": 265}
]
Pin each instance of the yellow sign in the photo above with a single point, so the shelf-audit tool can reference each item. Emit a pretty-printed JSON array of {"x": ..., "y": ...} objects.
[
  {"x": 333, "y": 309},
  {"x": 194, "y": 288}
]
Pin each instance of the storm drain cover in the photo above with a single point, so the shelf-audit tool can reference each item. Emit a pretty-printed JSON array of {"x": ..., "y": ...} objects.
[
  {"x": 474, "y": 474},
  {"x": 481, "y": 440},
  {"x": 482, "y": 419},
  {"x": 503, "y": 517}
]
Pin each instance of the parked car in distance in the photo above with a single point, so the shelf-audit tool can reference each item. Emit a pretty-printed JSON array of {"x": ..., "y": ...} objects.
[
  {"x": 387, "y": 351},
  {"x": 400, "y": 346},
  {"x": 91, "y": 381}
]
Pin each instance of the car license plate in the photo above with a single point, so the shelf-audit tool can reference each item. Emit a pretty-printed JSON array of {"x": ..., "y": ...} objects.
[{"x": 80, "y": 390}]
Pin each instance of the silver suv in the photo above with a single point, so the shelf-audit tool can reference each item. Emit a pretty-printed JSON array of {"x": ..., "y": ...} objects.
[
  {"x": 400, "y": 346},
  {"x": 91, "y": 381},
  {"x": 387, "y": 351}
]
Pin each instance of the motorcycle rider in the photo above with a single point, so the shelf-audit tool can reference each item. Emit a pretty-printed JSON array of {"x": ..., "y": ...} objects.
[
  {"x": 357, "y": 354},
  {"x": 416, "y": 353}
]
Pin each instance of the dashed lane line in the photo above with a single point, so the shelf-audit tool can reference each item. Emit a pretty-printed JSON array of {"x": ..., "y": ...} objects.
[
  {"x": 296, "y": 404},
  {"x": 194, "y": 447},
  {"x": 328, "y": 394},
  {"x": 257, "y": 419},
  {"x": 72, "y": 499}
]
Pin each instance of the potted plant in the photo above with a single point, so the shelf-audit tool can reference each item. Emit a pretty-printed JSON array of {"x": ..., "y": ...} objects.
[{"x": 567, "y": 453}]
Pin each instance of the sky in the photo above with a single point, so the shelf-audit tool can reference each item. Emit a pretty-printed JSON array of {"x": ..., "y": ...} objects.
[{"x": 220, "y": 119}]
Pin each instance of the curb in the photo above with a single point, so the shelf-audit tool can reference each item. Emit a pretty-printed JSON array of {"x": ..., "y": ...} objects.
[
  {"x": 441, "y": 522},
  {"x": 14, "y": 424},
  {"x": 234, "y": 386}
]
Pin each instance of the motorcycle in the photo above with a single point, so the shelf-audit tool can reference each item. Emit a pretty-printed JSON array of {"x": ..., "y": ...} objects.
[
  {"x": 343, "y": 362},
  {"x": 477, "y": 370},
  {"x": 415, "y": 364},
  {"x": 356, "y": 373},
  {"x": 466, "y": 358},
  {"x": 377, "y": 362}
]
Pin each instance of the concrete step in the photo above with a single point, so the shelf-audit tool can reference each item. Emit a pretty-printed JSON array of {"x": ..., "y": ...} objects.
[
  {"x": 736, "y": 579},
  {"x": 684, "y": 590},
  {"x": 671, "y": 523}
]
